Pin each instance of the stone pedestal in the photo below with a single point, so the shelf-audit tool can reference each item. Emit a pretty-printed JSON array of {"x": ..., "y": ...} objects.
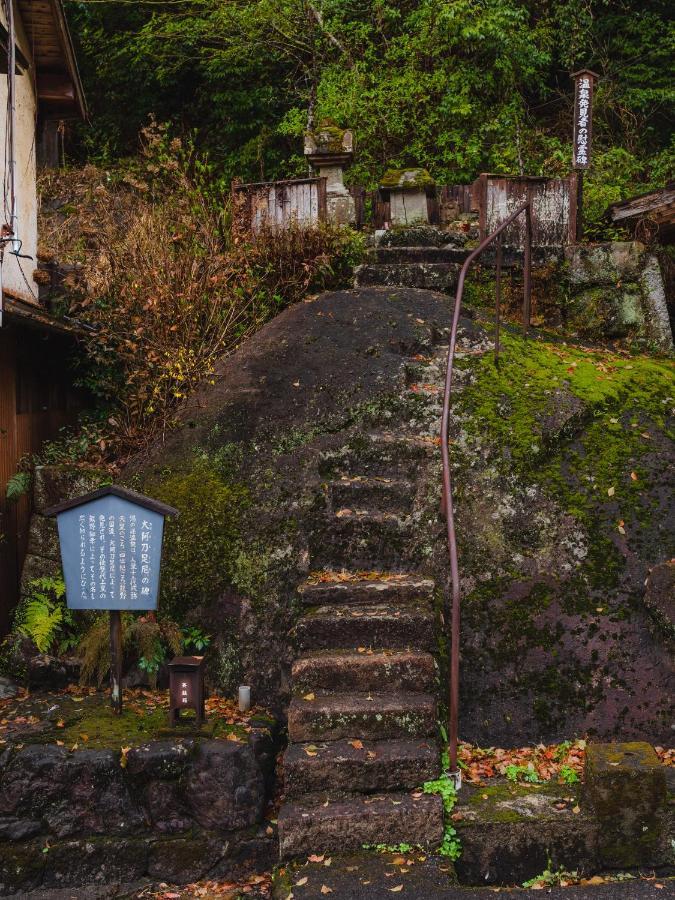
[{"x": 329, "y": 150}]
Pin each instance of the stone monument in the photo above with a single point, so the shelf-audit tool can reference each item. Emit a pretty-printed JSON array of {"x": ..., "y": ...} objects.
[
  {"x": 329, "y": 149},
  {"x": 407, "y": 191}
]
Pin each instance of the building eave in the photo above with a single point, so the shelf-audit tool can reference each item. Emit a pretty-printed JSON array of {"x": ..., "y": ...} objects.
[{"x": 46, "y": 28}]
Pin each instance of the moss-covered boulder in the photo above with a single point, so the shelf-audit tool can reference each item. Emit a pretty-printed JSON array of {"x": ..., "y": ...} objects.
[
  {"x": 561, "y": 482},
  {"x": 616, "y": 291}
]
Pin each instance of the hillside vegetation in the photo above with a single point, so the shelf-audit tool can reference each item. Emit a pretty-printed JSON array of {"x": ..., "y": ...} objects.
[{"x": 458, "y": 86}]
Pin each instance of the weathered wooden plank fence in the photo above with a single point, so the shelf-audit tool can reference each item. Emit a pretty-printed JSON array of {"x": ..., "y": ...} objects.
[
  {"x": 278, "y": 204},
  {"x": 554, "y": 207}
]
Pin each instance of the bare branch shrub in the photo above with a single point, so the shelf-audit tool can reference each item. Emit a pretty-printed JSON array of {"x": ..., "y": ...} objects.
[{"x": 162, "y": 288}]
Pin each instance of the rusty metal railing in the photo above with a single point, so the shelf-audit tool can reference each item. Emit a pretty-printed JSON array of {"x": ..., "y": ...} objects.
[{"x": 497, "y": 235}]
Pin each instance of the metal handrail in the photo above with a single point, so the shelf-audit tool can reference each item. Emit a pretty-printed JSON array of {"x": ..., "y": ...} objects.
[{"x": 445, "y": 453}]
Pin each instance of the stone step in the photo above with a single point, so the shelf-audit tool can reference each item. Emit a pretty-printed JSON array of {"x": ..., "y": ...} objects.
[
  {"x": 331, "y": 717},
  {"x": 373, "y": 670},
  {"x": 377, "y": 492},
  {"x": 415, "y": 255},
  {"x": 376, "y": 626},
  {"x": 383, "y": 453},
  {"x": 335, "y": 588},
  {"x": 347, "y": 824},
  {"x": 360, "y": 766},
  {"x": 362, "y": 538},
  {"x": 433, "y": 276}
]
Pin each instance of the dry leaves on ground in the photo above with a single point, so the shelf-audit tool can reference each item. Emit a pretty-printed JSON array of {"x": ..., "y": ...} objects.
[{"x": 544, "y": 761}]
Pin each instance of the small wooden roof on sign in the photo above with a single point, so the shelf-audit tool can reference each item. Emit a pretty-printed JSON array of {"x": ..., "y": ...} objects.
[
  {"x": 111, "y": 489},
  {"x": 585, "y": 72}
]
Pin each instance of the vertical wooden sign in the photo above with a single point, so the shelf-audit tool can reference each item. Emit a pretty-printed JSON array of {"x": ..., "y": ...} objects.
[{"x": 584, "y": 82}]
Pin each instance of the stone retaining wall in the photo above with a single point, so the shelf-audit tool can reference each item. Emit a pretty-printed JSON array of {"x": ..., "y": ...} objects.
[{"x": 177, "y": 809}]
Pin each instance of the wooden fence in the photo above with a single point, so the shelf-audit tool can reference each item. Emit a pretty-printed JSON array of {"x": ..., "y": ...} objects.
[
  {"x": 278, "y": 204},
  {"x": 554, "y": 207}
]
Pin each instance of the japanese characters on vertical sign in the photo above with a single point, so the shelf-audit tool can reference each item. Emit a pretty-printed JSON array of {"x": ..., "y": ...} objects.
[
  {"x": 583, "y": 118},
  {"x": 111, "y": 543}
]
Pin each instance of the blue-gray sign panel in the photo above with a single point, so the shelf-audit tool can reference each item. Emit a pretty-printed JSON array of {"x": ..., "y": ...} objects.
[{"x": 111, "y": 550}]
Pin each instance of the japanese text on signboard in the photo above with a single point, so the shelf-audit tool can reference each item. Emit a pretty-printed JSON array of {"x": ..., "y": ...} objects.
[
  {"x": 582, "y": 121},
  {"x": 115, "y": 557}
]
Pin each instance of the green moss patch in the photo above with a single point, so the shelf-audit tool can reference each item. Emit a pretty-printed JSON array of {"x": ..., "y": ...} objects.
[
  {"x": 201, "y": 544},
  {"x": 406, "y": 180},
  {"x": 509, "y": 802},
  {"x": 88, "y": 722}
]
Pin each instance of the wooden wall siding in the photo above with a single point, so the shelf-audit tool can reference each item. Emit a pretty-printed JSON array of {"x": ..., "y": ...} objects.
[
  {"x": 36, "y": 401},
  {"x": 359, "y": 195},
  {"x": 554, "y": 208},
  {"x": 462, "y": 194},
  {"x": 278, "y": 204}
]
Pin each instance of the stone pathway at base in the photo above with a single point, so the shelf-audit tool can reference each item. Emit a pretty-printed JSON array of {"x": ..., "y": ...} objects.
[
  {"x": 375, "y": 877},
  {"x": 362, "y": 724}
]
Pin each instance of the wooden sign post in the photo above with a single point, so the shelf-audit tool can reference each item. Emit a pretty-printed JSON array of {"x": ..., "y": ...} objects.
[
  {"x": 111, "y": 549},
  {"x": 584, "y": 82}
]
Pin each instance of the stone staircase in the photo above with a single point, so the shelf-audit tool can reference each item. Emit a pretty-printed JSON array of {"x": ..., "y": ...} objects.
[
  {"x": 362, "y": 724},
  {"x": 433, "y": 268}
]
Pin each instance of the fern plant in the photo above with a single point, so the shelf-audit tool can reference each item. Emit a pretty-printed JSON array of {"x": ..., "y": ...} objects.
[
  {"x": 43, "y": 616},
  {"x": 17, "y": 486}
]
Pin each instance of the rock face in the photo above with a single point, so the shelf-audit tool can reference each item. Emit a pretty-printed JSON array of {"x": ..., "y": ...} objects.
[
  {"x": 659, "y": 597},
  {"x": 177, "y": 808},
  {"x": 617, "y": 291}
]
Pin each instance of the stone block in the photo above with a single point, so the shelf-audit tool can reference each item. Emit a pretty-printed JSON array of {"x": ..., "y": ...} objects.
[
  {"x": 224, "y": 786},
  {"x": 95, "y": 861},
  {"x": 43, "y": 538},
  {"x": 38, "y": 567},
  {"x": 614, "y": 312},
  {"x": 21, "y": 867},
  {"x": 71, "y": 793},
  {"x": 626, "y": 787},
  {"x": 346, "y": 824},
  {"x": 185, "y": 859},
  {"x": 604, "y": 264},
  {"x": 512, "y": 832},
  {"x": 52, "y": 484},
  {"x": 394, "y": 765},
  {"x": 656, "y": 306}
]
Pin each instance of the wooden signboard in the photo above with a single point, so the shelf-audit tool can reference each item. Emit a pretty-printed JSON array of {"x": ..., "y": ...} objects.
[{"x": 111, "y": 548}]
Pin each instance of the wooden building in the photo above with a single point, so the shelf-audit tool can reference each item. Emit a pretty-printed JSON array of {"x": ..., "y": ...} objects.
[
  {"x": 37, "y": 396},
  {"x": 649, "y": 216}
]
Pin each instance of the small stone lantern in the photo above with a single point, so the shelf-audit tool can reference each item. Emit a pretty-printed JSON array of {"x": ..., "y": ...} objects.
[
  {"x": 186, "y": 687},
  {"x": 329, "y": 149},
  {"x": 407, "y": 191}
]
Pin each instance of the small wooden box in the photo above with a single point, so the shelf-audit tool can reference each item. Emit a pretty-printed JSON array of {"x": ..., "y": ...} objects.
[{"x": 186, "y": 687}]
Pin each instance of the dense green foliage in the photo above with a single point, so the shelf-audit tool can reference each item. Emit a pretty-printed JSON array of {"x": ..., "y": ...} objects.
[{"x": 458, "y": 86}]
